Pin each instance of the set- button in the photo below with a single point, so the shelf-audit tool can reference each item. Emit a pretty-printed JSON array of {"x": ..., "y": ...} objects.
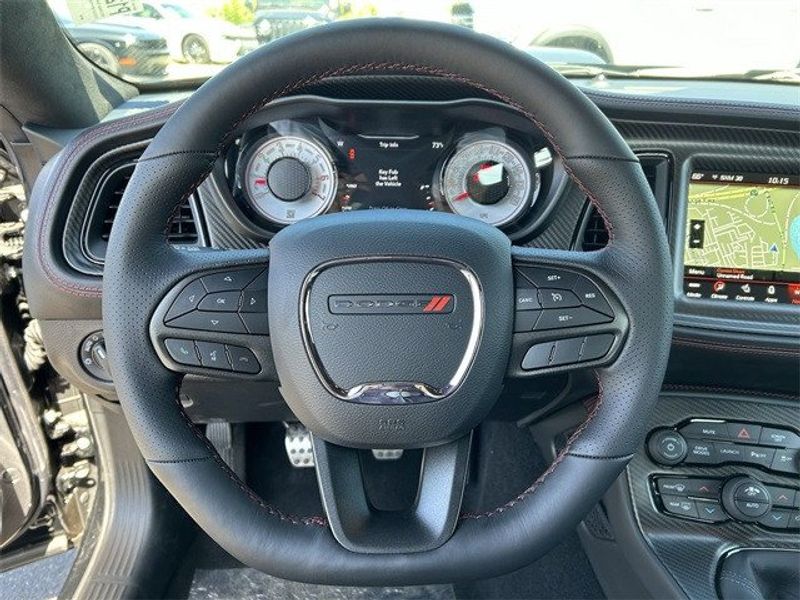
[
  {"x": 232, "y": 301},
  {"x": 212, "y": 355},
  {"x": 554, "y": 299}
]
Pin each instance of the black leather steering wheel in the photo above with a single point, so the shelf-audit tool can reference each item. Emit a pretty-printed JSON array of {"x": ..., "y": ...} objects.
[{"x": 427, "y": 379}]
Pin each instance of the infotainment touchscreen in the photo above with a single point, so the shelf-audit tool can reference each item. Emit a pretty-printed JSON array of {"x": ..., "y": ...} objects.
[{"x": 743, "y": 238}]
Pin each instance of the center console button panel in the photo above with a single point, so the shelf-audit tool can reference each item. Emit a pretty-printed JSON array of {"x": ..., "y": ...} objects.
[
  {"x": 717, "y": 442},
  {"x": 717, "y": 500}
]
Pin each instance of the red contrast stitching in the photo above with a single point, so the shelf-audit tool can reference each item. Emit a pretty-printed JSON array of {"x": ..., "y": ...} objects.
[
  {"x": 82, "y": 142},
  {"x": 426, "y": 70}
]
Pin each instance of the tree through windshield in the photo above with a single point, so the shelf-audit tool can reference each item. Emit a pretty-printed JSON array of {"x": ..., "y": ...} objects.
[{"x": 159, "y": 40}]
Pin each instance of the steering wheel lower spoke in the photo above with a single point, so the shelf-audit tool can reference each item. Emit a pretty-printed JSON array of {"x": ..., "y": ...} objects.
[
  {"x": 213, "y": 321},
  {"x": 360, "y": 527}
]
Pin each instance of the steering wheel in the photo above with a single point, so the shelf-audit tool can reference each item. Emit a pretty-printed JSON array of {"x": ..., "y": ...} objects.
[{"x": 389, "y": 329}]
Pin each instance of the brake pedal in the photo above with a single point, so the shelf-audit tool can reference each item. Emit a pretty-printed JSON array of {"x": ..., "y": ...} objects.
[{"x": 299, "y": 449}]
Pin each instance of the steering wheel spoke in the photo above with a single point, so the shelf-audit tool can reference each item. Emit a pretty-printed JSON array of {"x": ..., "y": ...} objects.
[
  {"x": 213, "y": 321},
  {"x": 566, "y": 315},
  {"x": 359, "y": 527}
]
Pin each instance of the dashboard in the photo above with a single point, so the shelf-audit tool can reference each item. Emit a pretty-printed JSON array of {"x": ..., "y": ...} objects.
[
  {"x": 726, "y": 182},
  {"x": 472, "y": 158}
]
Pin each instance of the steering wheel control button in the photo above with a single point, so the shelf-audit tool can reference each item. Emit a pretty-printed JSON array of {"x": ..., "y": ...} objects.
[
  {"x": 591, "y": 297},
  {"x": 220, "y": 302},
  {"x": 527, "y": 299},
  {"x": 744, "y": 433},
  {"x": 243, "y": 360},
  {"x": 538, "y": 356},
  {"x": 782, "y": 438},
  {"x": 256, "y": 323},
  {"x": 182, "y": 351},
  {"x": 667, "y": 447},
  {"x": 525, "y": 320},
  {"x": 230, "y": 280},
  {"x": 596, "y": 346},
  {"x": 213, "y": 355},
  {"x": 567, "y": 351},
  {"x": 254, "y": 301},
  {"x": 210, "y": 321},
  {"x": 544, "y": 277},
  {"x": 557, "y": 298},
  {"x": 569, "y": 317},
  {"x": 188, "y": 300},
  {"x": 683, "y": 507},
  {"x": 710, "y": 430}
]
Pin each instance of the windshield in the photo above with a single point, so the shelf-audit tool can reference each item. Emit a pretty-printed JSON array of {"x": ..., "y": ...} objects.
[{"x": 187, "y": 40}]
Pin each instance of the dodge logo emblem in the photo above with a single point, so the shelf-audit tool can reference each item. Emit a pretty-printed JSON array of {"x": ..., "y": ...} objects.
[{"x": 392, "y": 304}]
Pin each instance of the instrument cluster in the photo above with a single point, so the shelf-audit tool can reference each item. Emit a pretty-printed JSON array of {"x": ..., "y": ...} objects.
[{"x": 454, "y": 157}]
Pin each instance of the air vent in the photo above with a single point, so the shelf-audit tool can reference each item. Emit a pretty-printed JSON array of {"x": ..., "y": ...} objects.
[
  {"x": 656, "y": 169},
  {"x": 183, "y": 229}
]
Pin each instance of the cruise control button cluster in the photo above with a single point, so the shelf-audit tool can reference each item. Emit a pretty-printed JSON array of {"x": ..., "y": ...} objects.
[
  {"x": 232, "y": 301},
  {"x": 554, "y": 299},
  {"x": 567, "y": 351},
  {"x": 212, "y": 355}
]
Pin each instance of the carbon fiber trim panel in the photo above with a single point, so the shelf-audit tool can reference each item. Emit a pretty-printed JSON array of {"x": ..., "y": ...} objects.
[{"x": 691, "y": 550}]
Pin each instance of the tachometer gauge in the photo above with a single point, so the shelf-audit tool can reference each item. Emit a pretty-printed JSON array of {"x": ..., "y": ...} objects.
[
  {"x": 290, "y": 178},
  {"x": 488, "y": 180}
]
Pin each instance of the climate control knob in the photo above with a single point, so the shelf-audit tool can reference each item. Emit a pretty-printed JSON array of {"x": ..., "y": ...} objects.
[{"x": 746, "y": 499}]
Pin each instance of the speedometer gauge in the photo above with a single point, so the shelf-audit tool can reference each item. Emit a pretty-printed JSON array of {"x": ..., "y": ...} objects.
[
  {"x": 488, "y": 180},
  {"x": 289, "y": 178}
]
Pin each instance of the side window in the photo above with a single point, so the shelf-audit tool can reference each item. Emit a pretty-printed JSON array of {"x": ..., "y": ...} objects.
[{"x": 149, "y": 12}]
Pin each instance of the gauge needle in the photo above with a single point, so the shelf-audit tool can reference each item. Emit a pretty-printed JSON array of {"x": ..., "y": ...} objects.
[
  {"x": 490, "y": 175},
  {"x": 461, "y": 196}
]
